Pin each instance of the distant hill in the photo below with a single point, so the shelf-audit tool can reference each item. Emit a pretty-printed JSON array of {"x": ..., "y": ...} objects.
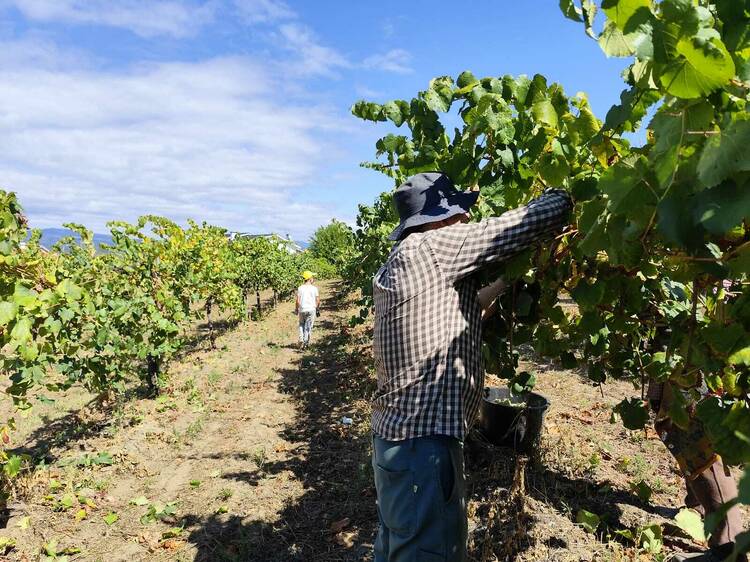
[{"x": 50, "y": 236}]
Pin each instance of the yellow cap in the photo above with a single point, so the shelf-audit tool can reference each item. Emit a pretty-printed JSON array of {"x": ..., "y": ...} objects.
[{"x": 307, "y": 275}]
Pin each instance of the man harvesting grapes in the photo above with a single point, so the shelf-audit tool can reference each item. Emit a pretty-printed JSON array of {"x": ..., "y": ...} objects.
[{"x": 427, "y": 346}]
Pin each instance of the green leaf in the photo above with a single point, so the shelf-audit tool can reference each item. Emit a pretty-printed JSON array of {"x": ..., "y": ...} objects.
[
  {"x": 672, "y": 224},
  {"x": 698, "y": 67},
  {"x": 614, "y": 42},
  {"x": 691, "y": 522},
  {"x": 466, "y": 79},
  {"x": 620, "y": 12},
  {"x": 140, "y": 500},
  {"x": 570, "y": 10},
  {"x": 13, "y": 466},
  {"x": 722, "y": 208},
  {"x": 589, "y": 521},
  {"x": 553, "y": 168},
  {"x": 740, "y": 357},
  {"x": 633, "y": 412},
  {"x": 642, "y": 490},
  {"x": 522, "y": 382},
  {"x": 627, "y": 187},
  {"x": 69, "y": 290},
  {"x": 439, "y": 96},
  {"x": 7, "y": 312},
  {"x": 722, "y": 337},
  {"x": 25, "y": 297},
  {"x": 21, "y": 332},
  {"x": 394, "y": 112},
  {"x": 728, "y": 426},
  {"x": 103, "y": 458},
  {"x": 588, "y": 295},
  {"x": 725, "y": 153},
  {"x": 110, "y": 518},
  {"x": 651, "y": 538},
  {"x": 589, "y": 10}
]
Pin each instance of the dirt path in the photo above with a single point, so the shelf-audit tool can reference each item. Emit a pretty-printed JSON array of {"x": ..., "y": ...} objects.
[{"x": 243, "y": 457}]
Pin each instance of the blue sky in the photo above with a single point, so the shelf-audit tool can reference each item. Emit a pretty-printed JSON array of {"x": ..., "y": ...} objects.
[{"x": 237, "y": 111}]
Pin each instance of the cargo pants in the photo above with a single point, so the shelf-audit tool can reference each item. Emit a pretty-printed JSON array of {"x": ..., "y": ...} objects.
[{"x": 421, "y": 500}]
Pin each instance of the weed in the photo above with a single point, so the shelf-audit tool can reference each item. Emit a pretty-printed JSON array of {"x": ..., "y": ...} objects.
[
  {"x": 225, "y": 494},
  {"x": 164, "y": 403},
  {"x": 194, "y": 429},
  {"x": 102, "y": 458},
  {"x": 213, "y": 377},
  {"x": 260, "y": 458},
  {"x": 157, "y": 511},
  {"x": 594, "y": 461}
]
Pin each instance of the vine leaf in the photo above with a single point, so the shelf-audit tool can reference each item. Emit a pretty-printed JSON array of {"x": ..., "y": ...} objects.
[
  {"x": 697, "y": 67},
  {"x": 633, "y": 413},
  {"x": 570, "y": 10},
  {"x": 614, "y": 42},
  {"x": 620, "y": 12},
  {"x": 721, "y": 208},
  {"x": 691, "y": 522},
  {"x": 725, "y": 153}
]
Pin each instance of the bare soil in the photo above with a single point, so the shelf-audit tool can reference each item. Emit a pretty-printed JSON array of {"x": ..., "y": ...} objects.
[{"x": 245, "y": 456}]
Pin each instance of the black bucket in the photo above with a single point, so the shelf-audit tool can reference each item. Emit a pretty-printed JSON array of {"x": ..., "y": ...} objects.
[{"x": 512, "y": 421}]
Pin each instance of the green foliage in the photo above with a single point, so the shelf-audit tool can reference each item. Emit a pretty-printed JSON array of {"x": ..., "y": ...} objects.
[
  {"x": 691, "y": 522},
  {"x": 333, "y": 243},
  {"x": 589, "y": 521},
  {"x": 634, "y": 413},
  {"x": 371, "y": 247},
  {"x": 658, "y": 258},
  {"x": 75, "y": 315}
]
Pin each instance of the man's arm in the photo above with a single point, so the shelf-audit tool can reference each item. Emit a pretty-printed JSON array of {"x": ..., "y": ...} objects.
[
  {"x": 296, "y": 303},
  {"x": 488, "y": 297},
  {"x": 462, "y": 249}
]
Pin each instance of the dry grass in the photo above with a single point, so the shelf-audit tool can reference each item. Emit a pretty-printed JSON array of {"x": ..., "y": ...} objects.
[{"x": 244, "y": 458}]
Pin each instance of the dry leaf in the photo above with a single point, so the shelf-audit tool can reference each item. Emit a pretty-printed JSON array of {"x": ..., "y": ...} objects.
[
  {"x": 340, "y": 525},
  {"x": 347, "y": 538},
  {"x": 172, "y": 544}
]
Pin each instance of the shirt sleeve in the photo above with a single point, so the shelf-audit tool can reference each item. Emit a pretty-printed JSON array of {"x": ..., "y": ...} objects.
[{"x": 462, "y": 249}]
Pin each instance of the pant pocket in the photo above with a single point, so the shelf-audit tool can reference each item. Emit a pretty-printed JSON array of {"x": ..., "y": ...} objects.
[
  {"x": 447, "y": 472},
  {"x": 396, "y": 499},
  {"x": 424, "y": 556}
]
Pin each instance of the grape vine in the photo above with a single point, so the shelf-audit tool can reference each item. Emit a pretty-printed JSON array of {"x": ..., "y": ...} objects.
[
  {"x": 78, "y": 315},
  {"x": 658, "y": 255}
]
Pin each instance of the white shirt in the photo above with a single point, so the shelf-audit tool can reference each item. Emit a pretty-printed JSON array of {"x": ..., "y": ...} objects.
[{"x": 308, "y": 295}]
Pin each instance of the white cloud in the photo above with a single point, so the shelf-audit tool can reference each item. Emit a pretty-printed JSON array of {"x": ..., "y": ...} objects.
[
  {"x": 37, "y": 51},
  {"x": 215, "y": 140},
  {"x": 148, "y": 18},
  {"x": 311, "y": 57},
  {"x": 367, "y": 93},
  {"x": 395, "y": 60},
  {"x": 264, "y": 11}
]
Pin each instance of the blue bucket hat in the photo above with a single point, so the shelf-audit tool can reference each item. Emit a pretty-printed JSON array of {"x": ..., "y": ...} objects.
[{"x": 428, "y": 197}]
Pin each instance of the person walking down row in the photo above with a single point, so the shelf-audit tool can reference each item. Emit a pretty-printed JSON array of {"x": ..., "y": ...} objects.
[
  {"x": 306, "y": 307},
  {"x": 427, "y": 348}
]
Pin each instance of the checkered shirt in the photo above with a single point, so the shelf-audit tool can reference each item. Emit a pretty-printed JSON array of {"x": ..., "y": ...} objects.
[{"x": 428, "y": 332}]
